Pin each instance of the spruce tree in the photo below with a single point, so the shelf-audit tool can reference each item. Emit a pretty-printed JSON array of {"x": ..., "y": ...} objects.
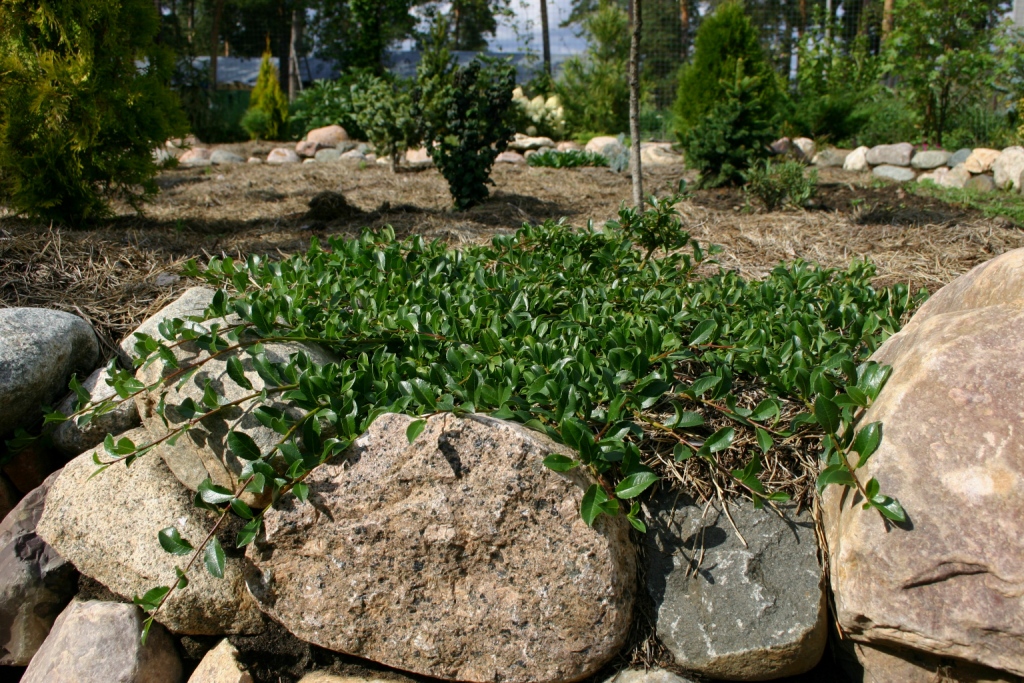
[
  {"x": 267, "y": 116},
  {"x": 83, "y": 103}
]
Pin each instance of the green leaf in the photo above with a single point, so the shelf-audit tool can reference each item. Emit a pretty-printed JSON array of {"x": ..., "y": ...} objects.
[
  {"x": 212, "y": 494},
  {"x": 764, "y": 440},
  {"x": 237, "y": 373},
  {"x": 705, "y": 384},
  {"x": 172, "y": 542},
  {"x": 213, "y": 558},
  {"x": 826, "y": 412},
  {"x": 720, "y": 440},
  {"x": 560, "y": 463},
  {"x": 703, "y": 332},
  {"x": 632, "y": 517},
  {"x": 243, "y": 445},
  {"x": 414, "y": 429},
  {"x": 635, "y": 484},
  {"x": 890, "y": 508},
  {"x": 248, "y": 533},
  {"x": 241, "y": 509},
  {"x": 684, "y": 419},
  {"x": 301, "y": 491},
  {"x": 151, "y": 600},
  {"x": 867, "y": 441},
  {"x": 835, "y": 474},
  {"x": 595, "y": 502},
  {"x": 682, "y": 452}
]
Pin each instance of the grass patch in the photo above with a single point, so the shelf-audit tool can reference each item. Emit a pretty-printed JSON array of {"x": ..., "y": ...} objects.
[{"x": 1000, "y": 204}]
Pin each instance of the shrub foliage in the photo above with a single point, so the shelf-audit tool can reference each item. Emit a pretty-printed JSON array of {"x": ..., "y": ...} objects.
[
  {"x": 78, "y": 118},
  {"x": 267, "y": 116},
  {"x": 778, "y": 184}
]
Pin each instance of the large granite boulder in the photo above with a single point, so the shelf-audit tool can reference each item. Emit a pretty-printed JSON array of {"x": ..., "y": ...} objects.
[
  {"x": 96, "y": 641},
  {"x": 1007, "y": 169},
  {"x": 522, "y": 143},
  {"x": 459, "y": 556},
  {"x": 981, "y": 160},
  {"x": 728, "y": 610},
  {"x": 192, "y": 302},
  {"x": 949, "y": 582},
  {"x": 926, "y": 160},
  {"x": 39, "y": 350},
  {"x": 857, "y": 160},
  {"x": 71, "y": 439},
  {"x": 107, "y": 527},
  {"x": 899, "y": 154},
  {"x": 328, "y": 136},
  {"x": 897, "y": 173},
  {"x": 880, "y": 665},
  {"x": 36, "y": 583},
  {"x": 606, "y": 145},
  {"x": 831, "y": 157}
]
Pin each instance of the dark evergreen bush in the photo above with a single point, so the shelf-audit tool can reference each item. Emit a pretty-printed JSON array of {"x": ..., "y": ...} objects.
[{"x": 79, "y": 116}]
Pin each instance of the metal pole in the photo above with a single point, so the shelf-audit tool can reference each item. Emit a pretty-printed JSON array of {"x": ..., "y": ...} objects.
[{"x": 634, "y": 107}]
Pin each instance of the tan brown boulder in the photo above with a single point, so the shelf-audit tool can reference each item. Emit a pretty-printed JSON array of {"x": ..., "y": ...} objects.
[
  {"x": 459, "y": 556},
  {"x": 328, "y": 136},
  {"x": 107, "y": 527},
  {"x": 878, "y": 665},
  {"x": 951, "y": 582},
  {"x": 981, "y": 160},
  {"x": 221, "y": 665}
]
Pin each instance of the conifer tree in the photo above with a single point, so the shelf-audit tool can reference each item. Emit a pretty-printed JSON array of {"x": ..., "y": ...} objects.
[{"x": 267, "y": 116}]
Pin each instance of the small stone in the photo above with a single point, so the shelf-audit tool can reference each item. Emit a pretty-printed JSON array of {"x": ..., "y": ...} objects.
[
  {"x": 897, "y": 173},
  {"x": 959, "y": 157},
  {"x": 744, "y": 613},
  {"x": 522, "y": 143},
  {"x": 930, "y": 159},
  {"x": 510, "y": 158},
  {"x": 221, "y": 665},
  {"x": 96, "y": 641},
  {"x": 222, "y": 157},
  {"x": 39, "y": 350},
  {"x": 981, "y": 160},
  {"x": 71, "y": 439},
  {"x": 781, "y": 146},
  {"x": 982, "y": 184},
  {"x": 1008, "y": 168},
  {"x": 647, "y": 676},
  {"x": 418, "y": 158},
  {"x": 107, "y": 527},
  {"x": 353, "y": 155},
  {"x": 328, "y": 136},
  {"x": 282, "y": 155},
  {"x": 857, "y": 160},
  {"x": 196, "y": 157},
  {"x": 831, "y": 158},
  {"x": 327, "y": 155},
  {"x": 254, "y": 160},
  {"x": 166, "y": 279},
  {"x": 35, "y": 582},
  {"x": 804, "y": 149},
  {"x": 891, "y": 155},
  {"x": 308, "y": 148},
  {"x": 956, "y": 178}
]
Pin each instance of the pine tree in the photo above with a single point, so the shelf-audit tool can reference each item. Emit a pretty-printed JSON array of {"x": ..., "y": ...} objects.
[
  {"x": 79, "y": 118},
  {"x": 267, "y": 116}
]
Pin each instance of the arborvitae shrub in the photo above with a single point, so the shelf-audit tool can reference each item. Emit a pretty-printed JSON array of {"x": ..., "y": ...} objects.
[
  {"x": 271, "y": 123},
  {"x": 725, "y": 39},
  {"x": 79, "y": 118},
  {"x": 383, "y": 109}
]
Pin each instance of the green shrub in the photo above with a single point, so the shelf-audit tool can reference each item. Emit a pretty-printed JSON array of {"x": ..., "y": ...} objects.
[
  {"x": 467, "y": 117},
  {"x": 726, "y": 44},
  {"x": 888, "y": 118},
  {"x": 328, "y": 103},
  {"x": 733, "y": 135},
  {"x": 267, "y": 116},
  {"x": 659, "y": 227},
  {"x": 593, "y": 88},
  {"x": 778, "y": 184},
  {"x": 383, "y": 110},
  {"x": 78, "y": 118},
  {"x": 572, "y": 158}
]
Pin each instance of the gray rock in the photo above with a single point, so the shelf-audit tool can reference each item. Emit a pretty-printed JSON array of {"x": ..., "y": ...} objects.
[
  {"x": 71, "y": 439},
  {"x": 35, "y": 582},
  {"x": 647, "y": 676},
  {"x": 897, "y": 173},
  {"x": 522, "y": 143},
  {"x": 1008, "y": 168},
  {"x": 508, "y": 157},
  {"x": 192, "y": 302},
  {"x": 959, "y": 157},
  {"x": 458, "y": 556},
  {"x": 891, "y": 155},
  {"x": 221, "y": 157},
  {"x": 327, "y": 155},
  {"x": 197, "y": 157},
  {"x": 283, "y": 155},
  {"x": 982, "y": 184},
  {"x": 354, "y": 155},
  {"x": 221, "y": 665},
  {"x": 930, "y": 159},
  {"x": 781, "y": 146},
  {"x": 39, "y": 350},
  {"x": 831, "y": 158},
  {"x": 107, "y": 527},
  {"x": 166, "y": 279},
  {"x": 729, "y": 611},
  {"x": 97, "y": 641},
  {"x": 857, "y": 160}
]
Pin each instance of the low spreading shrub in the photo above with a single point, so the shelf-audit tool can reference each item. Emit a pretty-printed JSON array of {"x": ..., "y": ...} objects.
[
  {"x": 777, "y": 184},
  {"x": 572, "y": 158}
]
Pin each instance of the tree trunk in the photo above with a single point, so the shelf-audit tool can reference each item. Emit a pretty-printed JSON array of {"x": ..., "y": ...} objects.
[
  {"x": 545, "y": 36},
  {"x": 634, "y": 105},
  {"x": 294, "y": 74},
  {"x": 684, "y": 21},
  {"x": 803, "y": 18},
  {"x": 218, "y": 9},
  {"x": 284, "y": 48},
  {"x": 886, "y": 19}
]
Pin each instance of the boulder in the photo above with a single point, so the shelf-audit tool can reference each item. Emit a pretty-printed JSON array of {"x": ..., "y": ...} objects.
[
  {"x": 8, "y": 496},
  {"x": 606, "y": 145},
  {"x": 781, "y": 146},
  {"x": 947, "y": 583},
  {"x": 71, "y": 439},
  {"x": 728, "y": 611},
  {"x": 308, "y": 148},
  {"x": 107, "y": 527},
  {"x": 981, "y": 160},
  {"x": 354, "y": 155},
  {"x": 936, "y": 177},
  {"x": 956, "y": 178},
  {"x": 328, "y": 136},
  {"x": 521, "y": 143},
  {"x": 891, "y": 155},
  {"x": 327, "y": 155},
  {"x": 102, "y": 641},
  {"x": 509, "y": 157},
  {"x": 221, "y": 665},
  {"x": 567, "y": 145},
  {"x": 196, "y": 157},
  {"x": 982, "y": 184},
  {"x": 929, "y": 159},
  {"x": 192, "y": 302},
  {"x": 162, "y": 156},
  {"x": 831, "y": 158},
  {"x": 39, "y": 350},
  {"x": 1008, "y": 168},
  {"x": 878, "y": 665},
  {"x": 36, "y": 584},
  {"x": 418, "y": 158},
  {"x": 897, "y": 173},
  {"x": 28, "y": 467},
  {"x": 459, "y": 556},
  {"x": 254, "y": 160},
  {"x": 959, "y": 157},
  {"x": 804, "y": 149},
  {"x": 647, "y": 676},
  {"x": 323, "y": 677},
  {"x": 283, "y": 155},
  {"x": 857, "y": 160},
  {"x": 222, "y": 157},
  {"x": 659, "y": 155}
]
